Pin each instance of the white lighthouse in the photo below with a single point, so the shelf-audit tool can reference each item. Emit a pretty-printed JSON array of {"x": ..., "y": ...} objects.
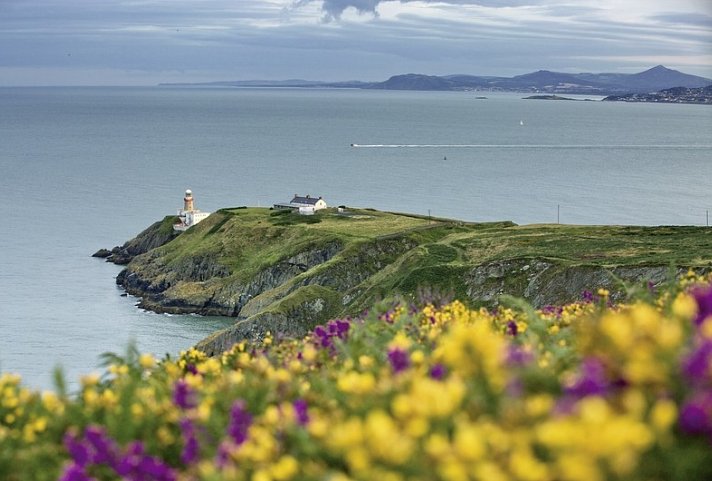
[{"x": 189, "y": 215}]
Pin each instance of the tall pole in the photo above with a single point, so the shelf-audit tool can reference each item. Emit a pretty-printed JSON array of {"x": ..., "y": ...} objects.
[
  {"x": 708, "y": 217},
  {"x": 558, "y": 211}
]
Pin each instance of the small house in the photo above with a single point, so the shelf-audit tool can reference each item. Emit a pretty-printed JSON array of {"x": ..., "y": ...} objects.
[{"x": 304, "y": 205}]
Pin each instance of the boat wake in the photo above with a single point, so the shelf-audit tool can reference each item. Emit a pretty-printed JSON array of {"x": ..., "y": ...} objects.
[{"x": 531, "y": 146}]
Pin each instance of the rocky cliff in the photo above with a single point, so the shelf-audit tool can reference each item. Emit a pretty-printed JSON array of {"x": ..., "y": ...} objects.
[
  {"x": 284, "y": 273},
  {"x": 155, "y": 235}
]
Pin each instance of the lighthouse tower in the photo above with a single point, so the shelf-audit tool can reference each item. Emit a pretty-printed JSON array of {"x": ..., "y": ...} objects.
[
  {"x": 188, "y": 201},
  {"x": 189, "y": 215}
]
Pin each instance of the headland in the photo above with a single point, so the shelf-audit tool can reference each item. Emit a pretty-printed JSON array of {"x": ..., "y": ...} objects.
[{"x": 278, "y": 271}]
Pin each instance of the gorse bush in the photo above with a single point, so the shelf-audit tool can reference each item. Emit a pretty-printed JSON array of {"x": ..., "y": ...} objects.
[{"x": 584, "y": 392}]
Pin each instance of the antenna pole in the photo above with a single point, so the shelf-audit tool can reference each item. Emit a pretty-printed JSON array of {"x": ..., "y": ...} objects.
[{"x": 558, "y": 211}]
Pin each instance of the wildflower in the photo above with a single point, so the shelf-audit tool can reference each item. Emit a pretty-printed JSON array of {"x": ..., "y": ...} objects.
[
  {"x": 518, "y": 356},
  {"x": 438, "y": 372},
  {"x": 240, "y": 421},
  {"x": 697, "y": 367},
  {"x": 399, "y": 359},
  {"x": 694, "y": 417},
  {"x": 591, "y": 381},
  {"x": 300, "y": 409},
  {"x": 75, "y": 472},
  {"x": 703, "y": 297},
  {"x": 102, "y": 447},
  {"x": 183, "y": 396},
  {"x": 322, "y": 336},
  {"x": 137, "y": 465},
  {"x": 334, "y": 329},
  {"x": 190, "y": 451},
  {"x": 77, "y": 450},
  {"x": 146, "y": 361}
]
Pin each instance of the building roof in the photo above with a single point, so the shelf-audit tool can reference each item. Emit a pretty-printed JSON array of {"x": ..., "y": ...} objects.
[{"x": 308, "y": 200}]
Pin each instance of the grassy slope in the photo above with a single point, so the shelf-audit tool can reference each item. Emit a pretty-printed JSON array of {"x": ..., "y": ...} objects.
[{"x": 249, "y": 240}]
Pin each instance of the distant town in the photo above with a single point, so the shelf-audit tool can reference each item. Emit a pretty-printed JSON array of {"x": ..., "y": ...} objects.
[{"x": 677, "y": 95}]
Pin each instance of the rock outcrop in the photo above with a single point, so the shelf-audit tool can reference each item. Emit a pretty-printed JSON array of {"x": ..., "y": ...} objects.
[{"x": 156, "y": 235}]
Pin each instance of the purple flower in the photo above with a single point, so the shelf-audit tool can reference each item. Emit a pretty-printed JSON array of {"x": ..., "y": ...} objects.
[
  {"x": 555, "y": 310},
  {"x": 703, "y": 296},
  {"x": 300, "y": 409},
  {"x": 240, "y": 421},
  {"x": 591, "y": 380},
  {"x": 517, "y": 356},
  {"x": 98, "y": 449},
  {"x": 103, "y": 449},
  {"x": 512, "y": 328},
  {"x": 438, "y": 372},
  {"x": 183, "y": 396},
  {"x": 697, "y": 366},
  {"x": 694, "y": 418},
  {"x": 324, "y": 336},
  {"x": 222, "y": 455},
  {"x": 75, "y": 472},
  {"x": 341, "y": 327},
  {"x": 587, "y": 296},
  {"x": 190, "y": 451},
  {"x": 135, "y": 465},
  {"x": 399, "y": 359},
  {"x": 77, "y": 450}
]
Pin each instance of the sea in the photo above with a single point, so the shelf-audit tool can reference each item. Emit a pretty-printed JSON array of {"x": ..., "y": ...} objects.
[{"x": 89, "y": 168}]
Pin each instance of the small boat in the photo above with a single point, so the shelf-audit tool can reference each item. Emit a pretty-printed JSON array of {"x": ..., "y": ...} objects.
[{"x": 521, "y": 122}]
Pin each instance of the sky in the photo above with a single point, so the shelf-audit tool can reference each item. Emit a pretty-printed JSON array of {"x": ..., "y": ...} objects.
[{"x": 145, "y": 42}]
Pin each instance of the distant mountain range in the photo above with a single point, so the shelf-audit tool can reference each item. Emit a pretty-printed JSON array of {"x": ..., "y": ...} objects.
[{"x": 652, "y": 80}]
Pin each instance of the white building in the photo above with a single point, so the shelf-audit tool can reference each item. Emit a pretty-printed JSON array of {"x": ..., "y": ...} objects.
[
  {"x": 189, "y": 216},
  {"x": 306, "y": 205}
]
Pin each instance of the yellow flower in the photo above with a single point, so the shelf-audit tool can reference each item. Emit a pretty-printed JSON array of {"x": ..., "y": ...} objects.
[
  {"x": 146, "y": 361},
  {"x": 90, "y": 379},
  {"x": 684, "y": 306},
  {"x": 356, "y": 383},
  {"x": 663, "y": 415},
  {"x": 284, "y": 469},
  {"x": 469, "y": 443}
]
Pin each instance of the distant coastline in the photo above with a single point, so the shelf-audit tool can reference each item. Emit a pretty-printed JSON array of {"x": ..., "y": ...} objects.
[
  {"x": 678, "y": 95},
  {"x": 543, "y": 81}
]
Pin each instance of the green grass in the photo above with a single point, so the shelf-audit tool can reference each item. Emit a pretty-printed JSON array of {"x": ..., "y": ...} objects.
[{"x": 592, "y": 245}]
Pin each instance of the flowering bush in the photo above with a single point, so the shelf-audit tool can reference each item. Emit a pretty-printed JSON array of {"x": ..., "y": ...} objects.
[{"x": 583, "y": 392}]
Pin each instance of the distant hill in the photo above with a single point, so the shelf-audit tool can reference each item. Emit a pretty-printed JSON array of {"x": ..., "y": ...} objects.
[
  {"x": 543, "y": 81},
  {"x": 413, "y": 81},
  {"x": 659, "y": 78}
]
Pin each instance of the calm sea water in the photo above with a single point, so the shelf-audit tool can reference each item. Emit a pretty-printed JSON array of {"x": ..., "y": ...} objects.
[{"x": 87, "y": 168}]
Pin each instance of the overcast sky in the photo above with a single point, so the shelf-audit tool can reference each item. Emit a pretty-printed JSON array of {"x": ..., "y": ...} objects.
[{"x": 144, "y": 42}]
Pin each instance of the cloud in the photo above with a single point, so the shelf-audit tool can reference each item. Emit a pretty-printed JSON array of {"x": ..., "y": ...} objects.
[
  {"x": 335, "y": 8},
  {"x": 364, "y": 39}
]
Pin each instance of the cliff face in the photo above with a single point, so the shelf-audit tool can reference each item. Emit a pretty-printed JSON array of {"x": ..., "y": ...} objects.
[
  {"x": 285, "y": 273},
  {"x": 156, "y": 235}
]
